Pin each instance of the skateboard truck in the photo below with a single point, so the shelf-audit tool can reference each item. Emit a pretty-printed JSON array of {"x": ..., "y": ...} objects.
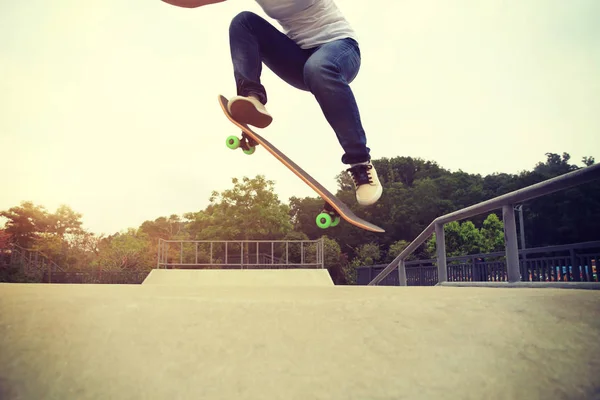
[{"x": 246, "y": 143}]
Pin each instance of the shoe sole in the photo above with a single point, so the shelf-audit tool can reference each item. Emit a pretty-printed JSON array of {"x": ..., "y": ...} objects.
[{"x": 245, "y": 112}]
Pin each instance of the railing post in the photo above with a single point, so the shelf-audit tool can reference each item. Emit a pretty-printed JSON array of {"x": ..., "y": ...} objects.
[
  {"x": 321, "y": 247},
  {"x": 158, "y": 254},
  {"x": 576, "y": 271},
  {"x": 401, "y": 273},
  {"x": 510, "y": 239},
  {"x": 440, "y": 244}
]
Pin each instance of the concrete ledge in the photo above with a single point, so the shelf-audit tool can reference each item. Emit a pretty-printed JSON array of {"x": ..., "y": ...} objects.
[{"x": 529, "y": 285}]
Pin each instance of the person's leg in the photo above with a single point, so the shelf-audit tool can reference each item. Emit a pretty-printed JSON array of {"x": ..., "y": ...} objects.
[
  {"x": 253, "y": 41},
  {"x": 328, "y": 74}
]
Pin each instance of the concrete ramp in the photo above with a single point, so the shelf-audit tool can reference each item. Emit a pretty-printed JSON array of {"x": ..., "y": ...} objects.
[{"x": 239, "y": 277}]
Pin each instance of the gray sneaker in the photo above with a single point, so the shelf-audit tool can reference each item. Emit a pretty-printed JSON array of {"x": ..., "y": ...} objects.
[
  {"x": 366, "y": 182},
  {"x": 250, "y": 111}
]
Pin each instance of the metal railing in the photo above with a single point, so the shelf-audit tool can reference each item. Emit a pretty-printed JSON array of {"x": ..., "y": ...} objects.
[
  {"x": 575, "y": 262},
  {"x": 33, "y": 263},
  {"x": 505, "y": 202},
  {"x": 240, "y": 254}
]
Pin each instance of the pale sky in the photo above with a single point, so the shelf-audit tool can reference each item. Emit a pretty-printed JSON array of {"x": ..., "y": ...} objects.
[{"x": 110, "y": 106}]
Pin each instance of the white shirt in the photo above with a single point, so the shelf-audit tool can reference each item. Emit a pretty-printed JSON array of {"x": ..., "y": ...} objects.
[{"x": 309, "y": 23}]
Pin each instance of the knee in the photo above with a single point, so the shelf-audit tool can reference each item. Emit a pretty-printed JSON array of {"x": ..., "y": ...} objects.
[
  {"x": 244, "y": 18},
  {"x": 317, "y": 72}
]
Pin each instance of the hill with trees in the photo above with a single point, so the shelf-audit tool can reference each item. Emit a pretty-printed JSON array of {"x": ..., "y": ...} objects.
[{"x": 416, "y": 192}]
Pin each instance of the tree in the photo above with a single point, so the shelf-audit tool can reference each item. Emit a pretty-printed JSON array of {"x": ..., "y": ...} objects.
[
  {"x": 369, "y": 253},
  {"x": 250, "y": 210},
  {"x": 335, "y": 261},
  {"x": 395, "y": 249},
  {"x": 25, "y": 223},
  {"x": 5, "y": 239},
  {"x": 464, "y": 239},
  {"x": 492, "y": 234},
  {"x": 588, "y": 161},
  {"x": 567, "y": 216},
  {"x": 406, "y": 170},
  {"x": 130, "y": 250},
  {"x": 366, "y": 255},
  {"x": 164, "y": 228},
  {"x": 56, "y": 235},
  {"x": 415, "y": 193},
  {"x": 294, "y": 252},
  {"x": 82, "y": 249},
  {"x": 64, "y": 223},
  {"x": 303, "y": 214}
]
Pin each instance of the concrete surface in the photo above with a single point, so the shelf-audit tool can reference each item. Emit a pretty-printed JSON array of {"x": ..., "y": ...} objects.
[
  {"x": 313, "y": 342},
  {"x": 237, "y": 277},
  {"x": 535, "y": 285}
]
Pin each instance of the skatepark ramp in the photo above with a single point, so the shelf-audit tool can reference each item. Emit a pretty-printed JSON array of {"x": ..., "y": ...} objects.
[{"x": 234, "y": 277}]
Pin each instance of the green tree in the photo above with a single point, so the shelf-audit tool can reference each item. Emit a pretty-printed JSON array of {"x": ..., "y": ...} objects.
[
  {"x": 395, "y": 249},
  {"x": 492, "y": 234},
  {"x": 250, "y": 210},
  {"x": 464, "y": 238},
  {"x": 335, "y": 261},
  {"x": 130, "y": 250},
  {"x": 366, "y": 255},
  {"x": 567, "y": 216},
  {"x": 369, "y": 253},
  {"x": 294, "y": 252},
  {"x": 461, "y": 239},
  {"x": 303, "y": 214},
  {"x": 497, "y": 184}
]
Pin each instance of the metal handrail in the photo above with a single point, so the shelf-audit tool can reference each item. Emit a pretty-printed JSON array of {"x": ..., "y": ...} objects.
[
  {"x": 48, "y": 259},
  {"x": 565, "y": 181},
  {"x": 232, "y": 258}
]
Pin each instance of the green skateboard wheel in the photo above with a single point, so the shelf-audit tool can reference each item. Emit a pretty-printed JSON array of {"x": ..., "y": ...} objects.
[
  {"x": 324, "y": 220},
  {"x": 233, "y": 142},
  {"x": 335, "y": 221}
]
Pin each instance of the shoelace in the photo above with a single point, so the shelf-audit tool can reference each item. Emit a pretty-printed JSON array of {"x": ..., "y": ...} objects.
[{"x": 361, "y": 174}]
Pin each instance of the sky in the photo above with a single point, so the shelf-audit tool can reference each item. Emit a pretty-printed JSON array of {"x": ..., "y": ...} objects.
[{"x": 110, "y": 106}]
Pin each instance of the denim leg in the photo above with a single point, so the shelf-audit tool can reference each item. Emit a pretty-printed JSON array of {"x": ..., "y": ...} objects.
[
  {"x": 253, "y": 41},
  {"x": 328, "y": 73}
]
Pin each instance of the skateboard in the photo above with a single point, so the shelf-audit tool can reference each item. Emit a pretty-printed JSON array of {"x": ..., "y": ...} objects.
[{"x": 333, "y": 208}]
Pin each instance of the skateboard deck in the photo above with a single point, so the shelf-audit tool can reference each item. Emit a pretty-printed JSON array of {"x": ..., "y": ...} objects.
[{"x": 334, "y": 207}]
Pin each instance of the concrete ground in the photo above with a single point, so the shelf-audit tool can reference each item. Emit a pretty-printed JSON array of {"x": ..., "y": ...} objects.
[{"x": 313, "y": 341}]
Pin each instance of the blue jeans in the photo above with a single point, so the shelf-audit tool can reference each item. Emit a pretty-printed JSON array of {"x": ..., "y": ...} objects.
[{"x": 325, "y": 71}]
